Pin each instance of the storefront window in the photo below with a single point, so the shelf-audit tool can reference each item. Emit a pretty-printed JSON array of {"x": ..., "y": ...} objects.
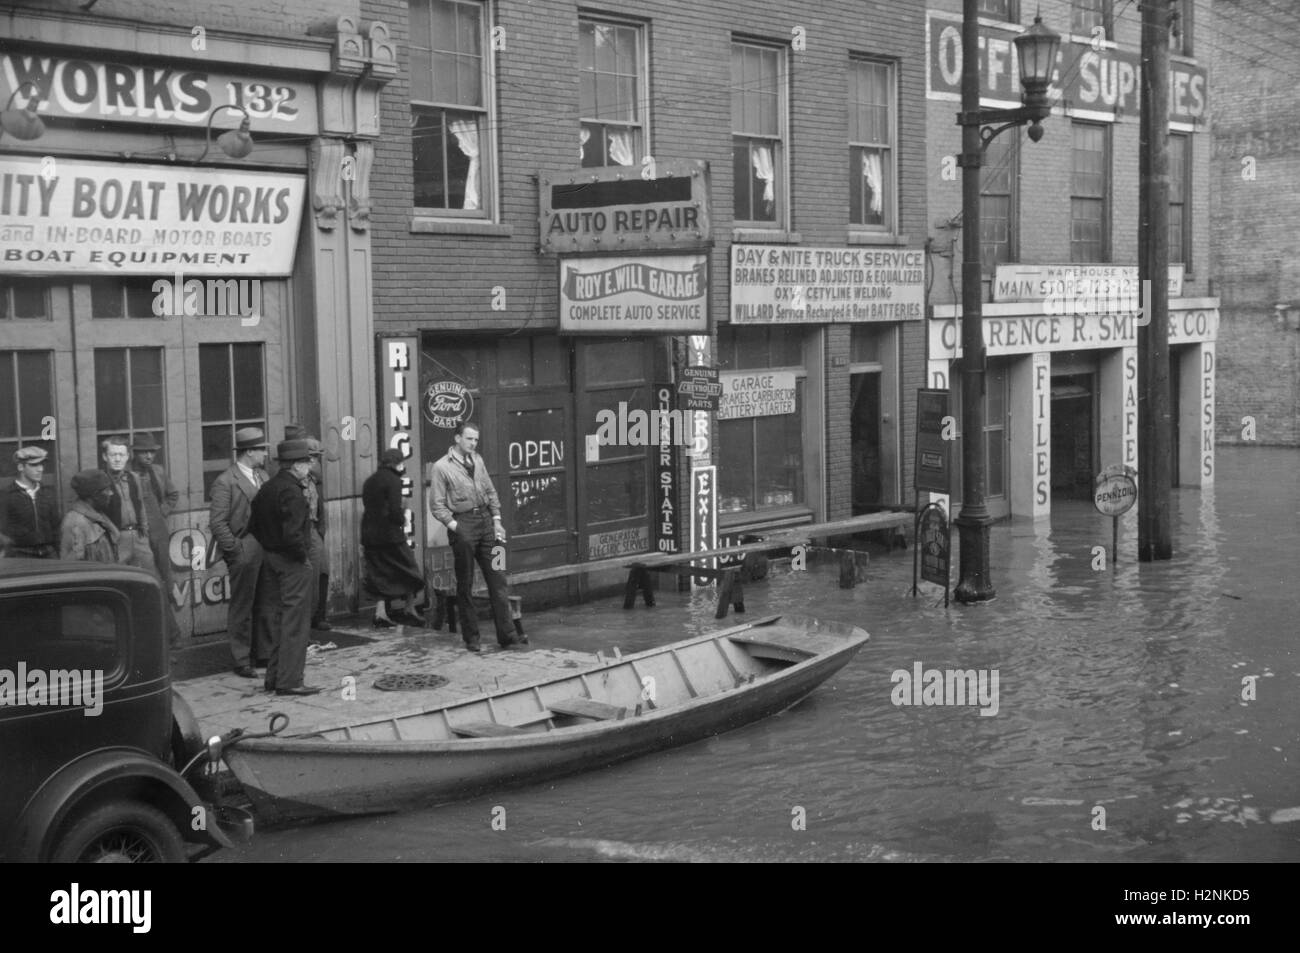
[
  {"x": 22, "y": 298},
  {"x": 232, "y": 395},
  {"x": 129, "y": 391},
  {"x": 537, "y": 475},
  {"x": 761, "y": 462},
  {"x": 26, "y": 400},
  {"x": 122, "y": 297}
]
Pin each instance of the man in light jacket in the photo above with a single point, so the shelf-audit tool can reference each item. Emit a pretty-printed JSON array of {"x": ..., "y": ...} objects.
[{"x": 465, "y": 500}]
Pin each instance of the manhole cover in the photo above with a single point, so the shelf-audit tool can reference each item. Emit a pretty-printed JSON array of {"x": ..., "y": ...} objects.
[{"x": 409, "y": 682}]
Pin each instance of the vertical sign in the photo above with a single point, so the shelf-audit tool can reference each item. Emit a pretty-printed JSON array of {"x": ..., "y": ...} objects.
[
  {"x": 704, "y": 485},
  {"x": 398, "y": 389},
  {"x": 933, "y": 452},
  {"x": 1130, "y": 406},
  {"x": 1207, "y": 413},
  {"x": 665, "y": 516},
  {"x": 1042, "y": 434},
  {"x": 704, "y": 515}
]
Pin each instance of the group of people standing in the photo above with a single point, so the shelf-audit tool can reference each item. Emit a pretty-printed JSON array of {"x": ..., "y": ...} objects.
[
  {"x": 119, "y": 515},
  {"x": 270, "y": 531}
]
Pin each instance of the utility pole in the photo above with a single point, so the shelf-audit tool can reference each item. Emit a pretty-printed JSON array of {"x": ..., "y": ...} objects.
[{"x": 1155, "y": 473}]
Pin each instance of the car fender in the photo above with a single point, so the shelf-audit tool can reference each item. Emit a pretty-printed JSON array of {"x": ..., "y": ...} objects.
[{"x": 101, "y": 774}]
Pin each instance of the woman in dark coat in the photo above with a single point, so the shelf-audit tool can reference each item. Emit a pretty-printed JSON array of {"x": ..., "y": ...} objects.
[{"x": 391, "y": 572}]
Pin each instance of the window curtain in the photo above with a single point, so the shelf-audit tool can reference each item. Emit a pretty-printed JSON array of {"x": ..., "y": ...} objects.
[
  {"x": 620, "y": 148},
  {"x": 584, "y": 135},
  {"x": 466, "y": 133},
  {"x": 762, "y": 158},
  {"x": 871, "y": 171}
]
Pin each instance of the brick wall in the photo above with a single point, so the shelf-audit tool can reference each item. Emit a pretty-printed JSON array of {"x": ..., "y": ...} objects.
[
  {"x": 441, "y": 280},
  {"x": 1255, "y": 204}
]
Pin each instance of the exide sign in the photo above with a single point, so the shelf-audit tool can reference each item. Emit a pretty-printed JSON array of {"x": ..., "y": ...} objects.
[{"x": 91, "y": 89}]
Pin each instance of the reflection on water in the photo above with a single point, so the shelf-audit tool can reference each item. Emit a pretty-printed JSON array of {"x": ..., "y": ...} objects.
[{"x": 1121, "y": 702}]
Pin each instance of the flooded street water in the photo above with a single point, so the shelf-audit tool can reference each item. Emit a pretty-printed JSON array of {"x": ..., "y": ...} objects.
[{"x": 1119, "y": 689}]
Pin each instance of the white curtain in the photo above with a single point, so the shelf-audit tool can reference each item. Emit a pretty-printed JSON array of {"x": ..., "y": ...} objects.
[
  {"x": 585, "y": 134},
  {"x": 620, "y": 148},
  {"x": 763, "y": 169},
  {"x": 875, "y": 181},
  {"x": 466, "y": 133}
]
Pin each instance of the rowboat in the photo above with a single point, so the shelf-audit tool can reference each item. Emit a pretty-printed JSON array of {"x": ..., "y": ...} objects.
[{"x": 630, "y": 705}]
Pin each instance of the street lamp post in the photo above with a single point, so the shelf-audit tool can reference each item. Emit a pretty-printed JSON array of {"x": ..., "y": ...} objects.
[{"x": 1036, "y": 50}]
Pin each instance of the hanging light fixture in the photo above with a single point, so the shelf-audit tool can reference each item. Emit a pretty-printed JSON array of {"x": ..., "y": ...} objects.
[
  {"x": 23, "y": 123},
  {"x": 235, "y": 143}
]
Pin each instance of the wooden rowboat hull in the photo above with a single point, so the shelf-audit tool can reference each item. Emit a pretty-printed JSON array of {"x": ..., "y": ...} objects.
[{"x": 772, "y": 663}]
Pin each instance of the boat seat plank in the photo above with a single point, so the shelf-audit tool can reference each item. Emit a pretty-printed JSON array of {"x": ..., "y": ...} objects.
[
  {"x": 802, "y": 644},
  {"x": 588, "y": 708},
  {"x": 485, "y": 729}
]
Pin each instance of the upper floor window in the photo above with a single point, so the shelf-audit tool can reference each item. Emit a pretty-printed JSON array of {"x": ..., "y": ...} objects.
[
  {"x": 611, "y": 90},
  {"x": 757, "y": 126},
  {"x": 1180, "y": 209},
  {"x": 1087, "y": 15},
  {"x": 451, "y": 145},
  {"x": 999, "y": 193},
  {"x": 1089, "y": 225},
  {"x": 872, "y": 199},
  {"x": 1180, "y": 27},
  {"x": 1000, "y": 10}
]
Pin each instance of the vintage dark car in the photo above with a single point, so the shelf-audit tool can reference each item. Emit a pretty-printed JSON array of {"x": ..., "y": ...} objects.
[{"x": 100, "y": 759}]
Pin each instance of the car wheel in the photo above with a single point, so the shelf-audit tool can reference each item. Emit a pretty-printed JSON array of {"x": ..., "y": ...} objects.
[{"x": 122, "y": 832}]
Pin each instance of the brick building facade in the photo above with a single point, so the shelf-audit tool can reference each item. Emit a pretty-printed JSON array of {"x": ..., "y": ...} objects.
[
  {"x": 818, "y": 106},
  {"x": 1059, "y": 231},
  {"x": 1254, "y": 205}
]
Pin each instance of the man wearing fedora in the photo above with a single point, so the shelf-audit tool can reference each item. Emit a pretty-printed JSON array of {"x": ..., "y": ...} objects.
[
  {"x": 159, "y": 498},
  {"x": 29, "y": 516},
  {"x": 228, "y": 516},
  {"x": 282, "y": 524},
  {"x": 314, "y": 492}
]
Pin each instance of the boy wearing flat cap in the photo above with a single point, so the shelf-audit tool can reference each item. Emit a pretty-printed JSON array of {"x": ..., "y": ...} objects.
[{"x": 29, "y": 517}]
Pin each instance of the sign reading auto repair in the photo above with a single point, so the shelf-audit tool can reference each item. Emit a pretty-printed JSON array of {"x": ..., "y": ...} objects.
[
  {"x": 65, "y": 215},
  {"x": 666, "y": 294},
  {"x": 120, "y": 92},
  {"x": 659, "y": 204},
  {"x": 1104, "y": 81},
  {"x": 786, "y": 284}
]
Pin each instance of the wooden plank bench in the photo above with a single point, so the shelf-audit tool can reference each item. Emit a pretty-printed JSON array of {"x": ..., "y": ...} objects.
[
  {"x": 639, "y": 565},
  {"x": 485, "y": 729},
  {"x": 730, "y": 587},
  {"x": 588, "y": 708}
]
